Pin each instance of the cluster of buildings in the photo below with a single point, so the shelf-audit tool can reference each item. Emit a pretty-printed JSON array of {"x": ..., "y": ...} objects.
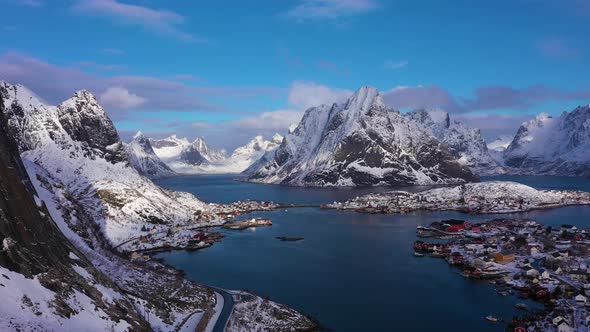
[
  {"x": 545, "y": 264},
  {"x": 254, "y": 222},
  {"x": 232, "y": 210},
  {"x": 196, "y": 233}
]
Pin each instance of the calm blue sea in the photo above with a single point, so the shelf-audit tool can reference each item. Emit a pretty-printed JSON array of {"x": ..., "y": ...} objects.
[{"x": 353, "y": 272}]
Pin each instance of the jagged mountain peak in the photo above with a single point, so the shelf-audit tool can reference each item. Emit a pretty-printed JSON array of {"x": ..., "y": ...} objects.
[
  {"x": 277, "y": 138},
  {"x": 138, "y": 135},
  {"x": 359, "y": 142},
  {"x": 364, "y": 98},
  {"x": 20, "y": 93}
]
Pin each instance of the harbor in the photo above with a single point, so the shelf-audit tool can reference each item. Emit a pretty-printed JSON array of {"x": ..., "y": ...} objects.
[{"x": 543, "y": 264}]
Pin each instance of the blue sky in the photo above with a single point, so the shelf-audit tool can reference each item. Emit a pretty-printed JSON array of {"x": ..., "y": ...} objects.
[{"x": 229, "y": 70}]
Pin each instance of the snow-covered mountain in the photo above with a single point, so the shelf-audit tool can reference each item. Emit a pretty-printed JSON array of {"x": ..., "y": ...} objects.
[
  {"x": 182, "y": 156},
  {"x": 67, "y": 197},
  {"x": 467, "y": 144},
  {"x": 554, "y": 146},
  {"x": 360, "y": 142},
  {"x": 497, "y": 147},
  {"x": 197, "y": 158},
  {"x": 80, "y": 167},
  {"x": 47, "y": 284},
  {"x": 500, "y": 144},
  {"x": 143, "y": 158}
]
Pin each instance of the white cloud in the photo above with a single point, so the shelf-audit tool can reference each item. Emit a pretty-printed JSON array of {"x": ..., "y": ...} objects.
[
  {"x": 304, "y": 95},
  {"x": 163, "y": 21},
  {"x": 331, "y": 9},
  {"x": 269, "y": 121},
  {"x": 416, "y": 97},
  {"x": 390, "y": 64},
  {"x": 120, "y": 98}
]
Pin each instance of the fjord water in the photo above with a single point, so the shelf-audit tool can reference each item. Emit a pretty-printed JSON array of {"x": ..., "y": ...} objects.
[{"x": 353, "y": 272}]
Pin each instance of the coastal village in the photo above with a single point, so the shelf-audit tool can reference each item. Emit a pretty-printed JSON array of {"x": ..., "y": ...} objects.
[
  {"x": 483, "y": 197},
  {"x": 548, "y": 265},
  {"x": 200, "y": 232}
]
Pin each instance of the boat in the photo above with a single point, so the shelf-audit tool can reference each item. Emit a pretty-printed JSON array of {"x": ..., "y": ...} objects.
[
  {"x": 417, "y": 254},
  {"x": 491, "y": 318},
  {"x": 521, "y": 306}
]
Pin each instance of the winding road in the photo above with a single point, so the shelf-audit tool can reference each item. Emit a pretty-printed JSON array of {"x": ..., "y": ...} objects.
[{"x": 228, "y": 306}]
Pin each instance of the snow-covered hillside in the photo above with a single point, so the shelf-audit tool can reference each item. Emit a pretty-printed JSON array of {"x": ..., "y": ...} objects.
[
  {"x": 467, "y": 144},
  {"x": 552, "y": 145},
  {"x": 360, "y": 142},
  {"x": 483, "y": 197},
  {"x": 76, "y": 161},
  {"x": 144, "y": 160},
  {"x": 197, "y": 158}
]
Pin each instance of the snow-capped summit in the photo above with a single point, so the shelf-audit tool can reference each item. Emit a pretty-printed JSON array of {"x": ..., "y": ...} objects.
[
  {"x": 553, "y": 145},
  {"x": 467, "y": 144},
  {"x": 143, "y": 158},
  {"x": 359, "y": 142},
  {"x": 500, "y": 144},
  {"x": 208, "y": 153},
  {"x": 86, "y": 122},
  {"x": 277, "y": 138}
]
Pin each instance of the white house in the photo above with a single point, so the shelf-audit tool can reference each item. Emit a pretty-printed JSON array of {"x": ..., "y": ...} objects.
[
  {"x": 580, "y": 299},
  {"x": 564, "y": 327},
  {"x": 545, "y": 275},
  {"x": 532, "y": 273},
  {"x": 557, "y": 320}
]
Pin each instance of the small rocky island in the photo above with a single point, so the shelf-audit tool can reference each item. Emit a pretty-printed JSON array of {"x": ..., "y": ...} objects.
[{"x": 483, "y": 197}]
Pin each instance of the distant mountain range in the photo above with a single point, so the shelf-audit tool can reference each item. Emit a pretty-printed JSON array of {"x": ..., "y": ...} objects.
[
  {"x": 362, "y": 142},
  {"x": 171, "y": 156}
]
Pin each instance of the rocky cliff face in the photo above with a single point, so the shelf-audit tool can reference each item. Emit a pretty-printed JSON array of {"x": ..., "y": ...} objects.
[
  {"x": 143, "y": 158},
  {"x": 360, "y": 143},
  {"x": 554, "y": 146},
  {"x": 47, "y": 283},
  {"x": 467, "y": 144}
]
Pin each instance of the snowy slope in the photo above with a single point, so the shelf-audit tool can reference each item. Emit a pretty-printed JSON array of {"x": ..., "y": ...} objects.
[
  {"x": 467, "y": 144},
  {"x": 144, "y": 160},
  {"x": 74, "y": 154},
  {"x": 483, "y": 197},
  {"x": 360, "y": 142},
  {"x": 553, "y": 145}
]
